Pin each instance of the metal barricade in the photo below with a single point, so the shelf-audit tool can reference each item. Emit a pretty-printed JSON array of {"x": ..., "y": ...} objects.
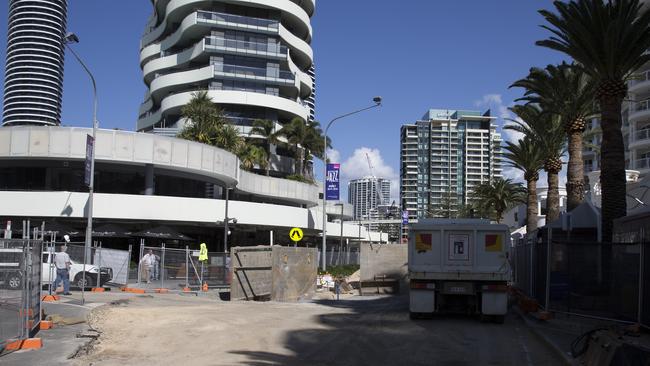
[
  {"x": 596, "y": 279},
  {"x": 105, "y": 267},
  {"x": 20, "y": 289},
  {"x": 178, "y": 269}
]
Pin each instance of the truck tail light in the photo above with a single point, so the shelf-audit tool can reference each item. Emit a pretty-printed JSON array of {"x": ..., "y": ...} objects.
[
  {"x": 495, "y": 288},
  {"x": 423, "y": 285}
]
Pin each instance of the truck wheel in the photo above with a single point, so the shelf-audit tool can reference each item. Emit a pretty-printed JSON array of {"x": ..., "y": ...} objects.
[
  {"x": 82, "y": 281},
  {"x": 499, "y": 319},
  {"x": 414, "y": 316},
  {"x": 13, "y": 281}
]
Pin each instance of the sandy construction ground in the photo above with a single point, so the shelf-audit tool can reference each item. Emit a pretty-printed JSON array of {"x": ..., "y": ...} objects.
[{"x": 176, "y": 330}]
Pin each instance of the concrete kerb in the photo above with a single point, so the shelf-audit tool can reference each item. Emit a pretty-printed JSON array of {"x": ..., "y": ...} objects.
[{"x": 530, "y": 323}]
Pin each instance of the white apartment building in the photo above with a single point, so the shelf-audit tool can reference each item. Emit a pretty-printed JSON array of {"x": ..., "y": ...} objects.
[
  {"x": 366, "y": 195},
  {"x": 444, "y": 155}
]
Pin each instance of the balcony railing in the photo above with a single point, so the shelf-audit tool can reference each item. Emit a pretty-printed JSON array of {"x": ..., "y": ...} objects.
[
  {"x": 245, "y": 45},
  {"x": 244, "y": 71},
  {"x": 642, "y": 163},
  {"x": 642, "y": 135},
  {"x": 238, "y": 19},
  {"x": 640, "y": 78},
  {"x": 643, "y": 105}
]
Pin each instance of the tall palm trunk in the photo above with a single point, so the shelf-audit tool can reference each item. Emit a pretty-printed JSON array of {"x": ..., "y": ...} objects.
[
  {"x": 531, "y": 206},
  {"x": 575, "y": 171},
  {"x": 553, "y": 197},
  {"x": 268, "y": 159},
  {"x": 612, "y": 167}
]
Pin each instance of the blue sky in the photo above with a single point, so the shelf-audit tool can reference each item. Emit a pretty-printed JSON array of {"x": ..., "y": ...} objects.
[{"x": 416, "y": 54}]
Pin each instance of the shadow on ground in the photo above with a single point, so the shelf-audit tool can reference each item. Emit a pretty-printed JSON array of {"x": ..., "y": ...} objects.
[{"x": 377, "y": 331}]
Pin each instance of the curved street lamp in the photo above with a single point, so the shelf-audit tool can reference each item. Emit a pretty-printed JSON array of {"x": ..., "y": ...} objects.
[
  {"x": 377, "y": 101},
  {"x": 69, "y": 39}
]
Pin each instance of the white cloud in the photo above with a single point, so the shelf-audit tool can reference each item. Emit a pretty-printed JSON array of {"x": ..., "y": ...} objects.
[
  {"x": 356, "y": 166},
  {"x": 499, "y": 109},
  {"x": 489, "y": 99},
  {"x": 333, "y": 155}
]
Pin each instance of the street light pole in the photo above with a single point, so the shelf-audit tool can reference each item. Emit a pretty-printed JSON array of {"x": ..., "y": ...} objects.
[
  {"x": 377, "y": 101},
  {"x": 72, "y": 38}
]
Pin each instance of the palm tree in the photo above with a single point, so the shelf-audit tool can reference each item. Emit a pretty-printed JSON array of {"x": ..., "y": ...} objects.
[
  {"x": 568, "y": 92},
  {"x": 544, "y": 130},
  {"x": 608, "y": 40},
  {"x": 497, "y": 196},
  {"x": 252, "y": 155},
  {"x": 296, "y": 133},
  {"x": 266, "y": 129},
  {"x": 229, "y": 138},
  {"x": 205, "y": 123},
  {"x": 527, "y": 156}
]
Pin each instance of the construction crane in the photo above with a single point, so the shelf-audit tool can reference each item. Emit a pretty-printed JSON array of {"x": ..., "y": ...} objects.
[
  {"x": 380, "y": 199},
  {"x": 372, "y": 173}
]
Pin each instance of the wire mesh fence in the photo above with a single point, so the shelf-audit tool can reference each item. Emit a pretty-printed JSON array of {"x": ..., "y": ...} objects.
[
  {"x": 601, "y": 280},
  {"x": 90, "y": 267},
  {"x": 20, "y": 289},
  {"x": 336, "y": 257},
  {"x": 179, "y": 269}
]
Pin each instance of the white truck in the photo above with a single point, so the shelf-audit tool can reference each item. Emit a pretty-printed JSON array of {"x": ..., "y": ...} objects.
[{"x": 459, "y": 266}]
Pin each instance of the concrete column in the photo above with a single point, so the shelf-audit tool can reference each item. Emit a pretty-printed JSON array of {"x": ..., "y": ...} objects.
[{"x": 149, "y": 184}]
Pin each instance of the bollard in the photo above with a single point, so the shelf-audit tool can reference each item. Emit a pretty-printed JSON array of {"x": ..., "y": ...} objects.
[{"x": 337, "y": 288}]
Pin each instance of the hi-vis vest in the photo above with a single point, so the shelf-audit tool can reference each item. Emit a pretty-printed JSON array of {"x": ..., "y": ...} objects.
[{"x": 203, "y": 253}]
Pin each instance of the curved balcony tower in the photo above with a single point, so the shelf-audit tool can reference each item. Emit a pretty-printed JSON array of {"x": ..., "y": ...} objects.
[
  {"x": 34, "y": 65},
  {"x": 252, "y": 56}
]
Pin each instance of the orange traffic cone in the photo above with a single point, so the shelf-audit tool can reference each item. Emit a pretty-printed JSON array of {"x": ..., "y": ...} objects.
[{"x": 205, "y": 287}]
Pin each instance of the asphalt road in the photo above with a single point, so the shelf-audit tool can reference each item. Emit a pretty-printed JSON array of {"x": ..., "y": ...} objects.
[{"x": 379, "y": 332}]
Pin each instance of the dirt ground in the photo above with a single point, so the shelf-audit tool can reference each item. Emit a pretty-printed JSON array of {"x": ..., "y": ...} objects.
[{"x": 176, "y": 330}]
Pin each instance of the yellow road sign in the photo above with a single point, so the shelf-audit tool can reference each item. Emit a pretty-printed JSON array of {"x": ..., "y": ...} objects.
[{"x": 295, "y": 234}]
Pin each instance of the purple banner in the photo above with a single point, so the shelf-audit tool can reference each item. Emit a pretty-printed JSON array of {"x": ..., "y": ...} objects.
[
  {"x": 405, "y": 217},
  {"x": 332, "y": 182}
]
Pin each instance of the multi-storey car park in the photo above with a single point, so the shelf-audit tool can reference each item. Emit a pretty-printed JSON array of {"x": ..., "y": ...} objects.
[
  {"x": 34, "y": 67},
  {"x": 444, "y": 156}
]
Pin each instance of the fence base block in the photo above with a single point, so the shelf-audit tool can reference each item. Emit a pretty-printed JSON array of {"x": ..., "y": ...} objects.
[
  {"x": 98, "y": 289},
  {"x": 187, "y": 289},
  {"x": 543, "y": 315},
  {"x": 46, "y": 324},
  {"x": 133, "y": 290},
  {"x": 161, "y": 290},
  {"x": 50, "y": 298},
  {"x": 29, "y": 343}
]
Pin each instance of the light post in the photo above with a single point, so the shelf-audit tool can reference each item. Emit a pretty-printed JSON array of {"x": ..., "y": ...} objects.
[
  {"x": 377, "y": 101},
  {"x": 72, "y": 38}
]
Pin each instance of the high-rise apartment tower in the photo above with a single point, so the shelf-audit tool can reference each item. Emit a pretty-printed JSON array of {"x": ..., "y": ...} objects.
[
  {"x": 443, "y": 156},
  {"x": 366, "y": 195},
  {"x": 34, "y": 67},
  {"x": 253, "y": 57}
]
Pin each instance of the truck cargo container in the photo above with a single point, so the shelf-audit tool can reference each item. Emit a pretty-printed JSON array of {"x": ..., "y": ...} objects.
[{"x": 459, "y": 266}]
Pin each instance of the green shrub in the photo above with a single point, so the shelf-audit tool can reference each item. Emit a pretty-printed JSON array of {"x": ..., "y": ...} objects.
[{"x": 341, "y": 271}]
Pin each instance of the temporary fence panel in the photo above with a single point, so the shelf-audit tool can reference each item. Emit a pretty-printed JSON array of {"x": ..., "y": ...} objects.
[
  {"x": 343, "y": 257},
  {"x": 175, "y": 269},
  {"x": 101, "y": 269},
  {"x": 644, "y": 307},
  {"x": 595, "y": 279},
  {"x": 522, "y": 263},
  {"x": 20, "y": 289},
  {"x": 540, "y": 255},
  {"x": 116, "y": 260}
]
